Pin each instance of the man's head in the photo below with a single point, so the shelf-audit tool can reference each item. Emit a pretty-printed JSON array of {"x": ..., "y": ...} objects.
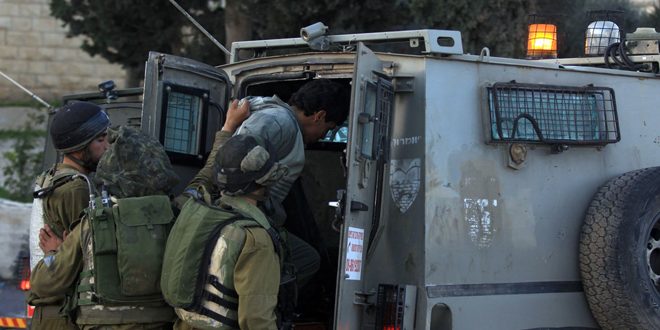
[
  {"x": 78, "y": 130},
  {"x": 246, "y": 163},
  {"x": 320, "y": 106}
]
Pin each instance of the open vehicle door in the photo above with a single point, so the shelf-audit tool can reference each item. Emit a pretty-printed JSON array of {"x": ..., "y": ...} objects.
[
  {"x": 371, "y": 105},
  {"x": 185, "y": 103}
]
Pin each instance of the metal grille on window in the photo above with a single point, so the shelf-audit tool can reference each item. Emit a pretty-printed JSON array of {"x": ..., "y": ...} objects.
[
  {"x": 552, "y": 114},
  {"x": 385, "y": 98},
  {"x": 181, "y": 125}
]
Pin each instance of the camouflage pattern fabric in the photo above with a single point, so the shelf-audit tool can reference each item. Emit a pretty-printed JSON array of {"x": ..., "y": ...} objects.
[{"x": 135, "y": 165}]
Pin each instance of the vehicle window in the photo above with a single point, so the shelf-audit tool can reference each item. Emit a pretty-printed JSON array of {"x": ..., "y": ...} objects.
[
  {"x": 552, "y": 114},
  {"x": 182, "y": 120},
  {"x": 339, "y": 134}
]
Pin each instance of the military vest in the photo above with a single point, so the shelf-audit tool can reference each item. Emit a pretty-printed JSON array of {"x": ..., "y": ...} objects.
[
  {"x": 198, "y": 269},
  {"x": 123, "y": 249}
]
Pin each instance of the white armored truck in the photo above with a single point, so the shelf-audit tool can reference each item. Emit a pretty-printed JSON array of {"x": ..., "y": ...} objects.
[{"x": 463, "y": 192}]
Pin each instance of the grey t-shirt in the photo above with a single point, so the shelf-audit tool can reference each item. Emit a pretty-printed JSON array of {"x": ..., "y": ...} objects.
[{"x": 276, "y": 123}]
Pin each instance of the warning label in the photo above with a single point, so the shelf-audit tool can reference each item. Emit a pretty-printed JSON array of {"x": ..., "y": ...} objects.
[{"x": 354, "y": 248}]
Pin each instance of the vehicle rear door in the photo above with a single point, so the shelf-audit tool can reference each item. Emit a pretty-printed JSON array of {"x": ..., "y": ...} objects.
[
  {"x": 371, "y": 105},
  {"x": 185, "y": 103}
]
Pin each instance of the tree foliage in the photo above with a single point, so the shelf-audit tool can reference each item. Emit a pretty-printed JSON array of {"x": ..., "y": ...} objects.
[
  {"x": 124, "y": 31},
  {"x": 23, "y": 161}
]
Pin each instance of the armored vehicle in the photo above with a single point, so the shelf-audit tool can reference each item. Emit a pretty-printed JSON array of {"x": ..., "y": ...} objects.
[{"x": 463, "y": 192}]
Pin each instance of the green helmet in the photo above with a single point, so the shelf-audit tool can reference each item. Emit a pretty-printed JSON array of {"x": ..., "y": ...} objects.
[
  {"x": 245, "y": 163},
  {"x": 135, "y": 165}
]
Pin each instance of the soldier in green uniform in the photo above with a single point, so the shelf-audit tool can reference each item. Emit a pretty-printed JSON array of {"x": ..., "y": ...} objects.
[
  {"x": 246, "y": 165},
  {"x": 78, "y": 131},
  {"x": 135, "y": 166}
]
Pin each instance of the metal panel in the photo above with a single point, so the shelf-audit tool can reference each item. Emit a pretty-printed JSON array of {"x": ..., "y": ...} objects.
[
  {"x": 490, "y": 228},
  {"x": 434, "y": 41},
  {"x": 165, "y": 74},
  {"x": 361, "y": 201}
]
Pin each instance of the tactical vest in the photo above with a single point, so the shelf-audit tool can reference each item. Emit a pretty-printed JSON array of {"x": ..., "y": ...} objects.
[
  {"x": 198, "y": 269},
  {"x": 44, "y": 185},
  {"x": 123, "y": 251}
]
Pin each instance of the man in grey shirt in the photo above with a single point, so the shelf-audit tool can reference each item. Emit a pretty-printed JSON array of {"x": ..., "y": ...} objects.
[{"x": 317, "y": 107}]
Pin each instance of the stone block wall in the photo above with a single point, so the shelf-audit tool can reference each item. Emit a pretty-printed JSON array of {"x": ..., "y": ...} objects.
[{"x": 35, "y": 51}]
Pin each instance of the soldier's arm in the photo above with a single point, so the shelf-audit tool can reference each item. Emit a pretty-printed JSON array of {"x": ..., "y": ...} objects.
[
  {"x": 56, "y": 273},
  {"x": 235, "y": 116},
  {"x": 257, "y": 279},
  {"x": 68, "y": 203}
]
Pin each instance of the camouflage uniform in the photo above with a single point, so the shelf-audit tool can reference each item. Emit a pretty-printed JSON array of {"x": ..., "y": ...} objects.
[
  {"x": 135, "y": 165},
  {"x": 62, "y": 209}
]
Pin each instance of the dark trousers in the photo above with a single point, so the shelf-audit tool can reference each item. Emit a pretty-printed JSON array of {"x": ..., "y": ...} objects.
[{"x": 305, "y": 258}]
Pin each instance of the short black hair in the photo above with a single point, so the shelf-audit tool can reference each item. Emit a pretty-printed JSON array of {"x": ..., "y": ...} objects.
[{"x": 323, "y": 94}]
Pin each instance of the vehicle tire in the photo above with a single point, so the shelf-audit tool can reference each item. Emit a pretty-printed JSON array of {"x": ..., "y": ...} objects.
[{"x": 620, "y": 252}]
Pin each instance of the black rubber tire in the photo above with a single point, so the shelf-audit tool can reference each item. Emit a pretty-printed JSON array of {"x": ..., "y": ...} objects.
[{"x": 620, "y": 252}]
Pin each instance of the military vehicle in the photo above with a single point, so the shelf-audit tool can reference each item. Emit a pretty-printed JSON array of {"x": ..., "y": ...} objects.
[{"x": 464, "y": 191}]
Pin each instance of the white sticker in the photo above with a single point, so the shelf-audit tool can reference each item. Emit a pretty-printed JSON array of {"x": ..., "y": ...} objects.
[{"x": 355, "y": 244}]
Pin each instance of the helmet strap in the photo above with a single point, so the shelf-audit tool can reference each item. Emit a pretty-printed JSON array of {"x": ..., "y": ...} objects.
[{"x": 86, "y": 162}]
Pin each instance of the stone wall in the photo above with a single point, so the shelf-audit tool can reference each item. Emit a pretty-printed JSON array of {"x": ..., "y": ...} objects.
[{"x": 35, "y": 51}]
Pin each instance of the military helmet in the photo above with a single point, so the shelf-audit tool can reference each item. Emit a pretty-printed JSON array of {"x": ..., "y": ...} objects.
[
  {"x": 76, "y": 124},
  {"x": 135, "y": 165},
  {"x": 245, "y": 163}
]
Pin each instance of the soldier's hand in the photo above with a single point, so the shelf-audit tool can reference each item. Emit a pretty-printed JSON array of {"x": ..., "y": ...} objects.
[
  {"x": 48, "y": 240},
  {"x": 236, "y": 114}
]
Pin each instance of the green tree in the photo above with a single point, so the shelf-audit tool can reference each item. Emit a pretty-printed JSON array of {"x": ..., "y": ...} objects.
[
  {"x": 499, "y": 25},
  {"x": 124, "y": 31},
  {"x": 23, "y": 161}
]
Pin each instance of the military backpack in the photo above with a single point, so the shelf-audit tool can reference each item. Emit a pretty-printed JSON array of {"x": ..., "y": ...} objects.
[{"x": 198, "y": 269}]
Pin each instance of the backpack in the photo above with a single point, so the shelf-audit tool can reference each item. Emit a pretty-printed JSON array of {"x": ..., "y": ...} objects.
[
  {"x": 127, "y": 226},
  {"x": 187, "y": 281},
  {"x": 123, "y": 263}
]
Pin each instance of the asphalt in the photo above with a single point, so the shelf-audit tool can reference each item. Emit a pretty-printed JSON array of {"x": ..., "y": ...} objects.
[{"x": 12, "y": 300}]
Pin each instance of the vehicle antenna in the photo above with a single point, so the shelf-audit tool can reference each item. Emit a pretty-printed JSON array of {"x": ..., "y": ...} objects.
[
  {"x": 206, "y": 33},
  {"x": 34, "y": 96}
]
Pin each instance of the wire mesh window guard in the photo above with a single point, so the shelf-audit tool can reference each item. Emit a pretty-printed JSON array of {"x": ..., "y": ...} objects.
[
  {"x": 552, "y": 114},
  {"x": 377, "y": 106},
  {"x": 182, "y": 120}
]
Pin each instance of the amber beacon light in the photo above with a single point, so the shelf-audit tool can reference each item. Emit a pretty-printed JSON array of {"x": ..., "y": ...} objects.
[{"x": 542, "y": 41}]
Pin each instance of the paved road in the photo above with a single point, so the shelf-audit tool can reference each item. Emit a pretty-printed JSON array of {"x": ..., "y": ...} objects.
[{"x": 12, "y": 300}]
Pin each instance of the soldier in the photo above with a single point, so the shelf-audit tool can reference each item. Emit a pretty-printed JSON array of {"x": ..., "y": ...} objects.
[
  {"x": 113, "y": 257},
  {"x": 317, "y": 107},
  {"x": 245, "y": 167},
  {"x": 78, "y": 131}
]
